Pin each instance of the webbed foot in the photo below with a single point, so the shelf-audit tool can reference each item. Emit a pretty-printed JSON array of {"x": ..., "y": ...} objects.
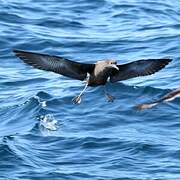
[{"x": 76, "y": 100}]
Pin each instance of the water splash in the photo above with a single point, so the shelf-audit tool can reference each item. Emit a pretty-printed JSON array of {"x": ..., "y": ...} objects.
[
  {"x": 42, "y": 103},
  {"x": 48, "y": 122}
]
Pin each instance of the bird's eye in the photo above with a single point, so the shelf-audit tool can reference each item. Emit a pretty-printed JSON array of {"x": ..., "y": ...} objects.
[{"x": 113, "y": 62}]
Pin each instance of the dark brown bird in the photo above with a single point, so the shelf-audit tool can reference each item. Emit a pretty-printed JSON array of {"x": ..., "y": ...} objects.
[{"x": 94, "y": 74}]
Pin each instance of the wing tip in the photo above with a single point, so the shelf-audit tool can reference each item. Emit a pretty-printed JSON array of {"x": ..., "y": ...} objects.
[
  {"x": 165, "y": 62},
  {"x": 18, "y": 52},
  {"x": 168, "y": 60},
  {"x": 15, "y": 51},
  {"x": 162, "y": 64}
]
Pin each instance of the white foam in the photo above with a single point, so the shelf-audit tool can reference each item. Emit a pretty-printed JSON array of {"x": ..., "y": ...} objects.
[
  {"x": 42, "y": 103},
  {"x": 49, "y": 122}
]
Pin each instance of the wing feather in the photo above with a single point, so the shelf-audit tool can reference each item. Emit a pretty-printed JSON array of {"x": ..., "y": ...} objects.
[
  {"x": 56, "y": 64},
  {"x": 139, "y": 68}
]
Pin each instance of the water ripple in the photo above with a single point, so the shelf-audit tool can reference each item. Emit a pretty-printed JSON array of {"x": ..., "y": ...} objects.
[{"x": 96, "y": 139}]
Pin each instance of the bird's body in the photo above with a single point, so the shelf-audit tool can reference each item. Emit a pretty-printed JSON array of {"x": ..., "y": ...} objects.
[
  {"x": 94, "y": 74},
  {"x": 102, "y": 71}
]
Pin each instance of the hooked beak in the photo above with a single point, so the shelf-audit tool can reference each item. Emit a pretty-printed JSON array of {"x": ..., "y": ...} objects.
[{"x": 114, "y": 66}]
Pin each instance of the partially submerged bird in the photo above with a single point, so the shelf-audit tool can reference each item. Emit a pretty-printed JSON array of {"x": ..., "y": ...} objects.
[
  {"x": 168, "y": 97},
  {"x": 94, "y": 74}
]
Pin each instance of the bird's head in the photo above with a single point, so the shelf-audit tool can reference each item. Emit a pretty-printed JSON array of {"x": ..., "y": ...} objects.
[
  {"x": 107, "y": 64},
  {"x": 111, "y": 64},
  {"x": 106, "y": 67}
]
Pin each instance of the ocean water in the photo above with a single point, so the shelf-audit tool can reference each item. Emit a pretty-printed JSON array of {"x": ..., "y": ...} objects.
[{"x": 43, "y": 135}]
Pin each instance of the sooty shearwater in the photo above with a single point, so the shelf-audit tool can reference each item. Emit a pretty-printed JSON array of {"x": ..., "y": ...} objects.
[{"x": 94, "y": 74}]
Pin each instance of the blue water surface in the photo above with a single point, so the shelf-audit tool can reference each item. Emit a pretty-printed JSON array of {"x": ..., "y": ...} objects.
[{"x": 94, "y": 140}]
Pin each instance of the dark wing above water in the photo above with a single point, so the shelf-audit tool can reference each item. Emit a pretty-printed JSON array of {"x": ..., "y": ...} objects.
[
  {"x": 139, "y": 68},
  {"x": 56, "y": 64}
]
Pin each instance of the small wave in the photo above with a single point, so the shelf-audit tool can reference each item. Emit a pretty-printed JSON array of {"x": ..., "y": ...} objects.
[
  {"x": 63, "y": 23},
  {"x": 41, "y": 102},
  {"x": 24, "y": 82}
]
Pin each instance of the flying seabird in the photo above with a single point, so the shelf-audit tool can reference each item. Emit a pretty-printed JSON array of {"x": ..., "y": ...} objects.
[
  {"x": 168, "y": 97},
  {"x": 94, "y": 74}
]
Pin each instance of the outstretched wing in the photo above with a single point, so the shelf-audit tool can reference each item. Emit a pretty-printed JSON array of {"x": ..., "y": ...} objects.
[
  {"x": 139, "y": 68},
  {"x": 56, "y": 64}
]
